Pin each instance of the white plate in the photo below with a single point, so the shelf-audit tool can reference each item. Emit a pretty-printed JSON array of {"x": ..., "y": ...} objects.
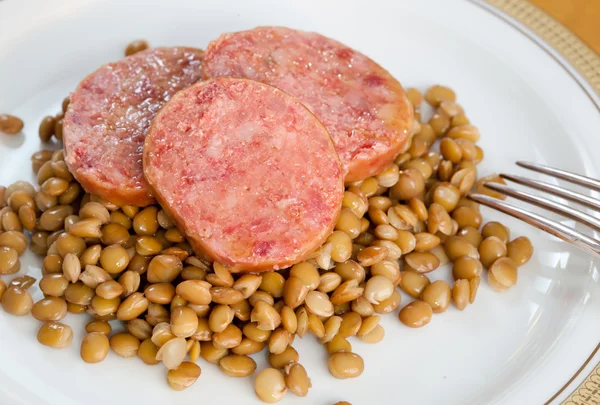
[{"x": 520, "y": 347}]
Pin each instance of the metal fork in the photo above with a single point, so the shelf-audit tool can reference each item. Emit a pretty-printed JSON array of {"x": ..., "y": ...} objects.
[{"x": 555, "y": 228}]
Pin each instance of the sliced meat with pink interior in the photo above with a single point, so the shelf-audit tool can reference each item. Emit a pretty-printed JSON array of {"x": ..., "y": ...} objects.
[
  {"x": 360, "y": 103},
  {"x": 246, "y": 171},
  {"x": 110, "y": 113}
]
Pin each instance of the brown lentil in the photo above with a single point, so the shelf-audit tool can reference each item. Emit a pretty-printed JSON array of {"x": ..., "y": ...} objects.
[
  {"x": 15, "y": 240},
  {"x": 136, "y": 46},
  {"x": 9, "y": 260},
  {"x": 464, "y": 131},
  {"x": 75, "y": 308},
  {"x": 413, "y": 283},
  {"x": 416, "y": 314},
  {"x": 415, "y": 97},
  {"x": 220, "y": 317},
  {"x": 79, "y": 293},
  {"x": 491, "y": 249},
  {"x": 363, "y": 307},
  {"x": 279, "y": 361},
  {"x": 23, "y": 282},
  {"x": 460, "y": 293},
  {"x": 27, "y": 217},
  {"x": 114, "y": 234},
  {"x": 58, "y": 129},
  {"x": 124, "y": 344},
  {"x": 229, "y": 338},
  {"x": 183, "y": 376},
  {"x": 341, "y": 249},
  {"x": 110, "y": 289},
  {"x": 270, "y": 385},
  {"x": 520, "y": 250},
  {"x": 302, "y": 317},
  {"x": 345, "y": 365},
  {"x": 248, "y": 347},
  {"x": 161, "y": 334},
  {"x": 374, "y": 336},
  {"x": 350, "y": 270},
  {"x": 388, "y": 305},
  {"x": 130, "y": 281},
  {"x": 410, "y": 184},
  {"x": 19, "y": 186},
  {"x": 49, "y": 309},
  {"x": 272, "y": 283},
  {"x": 346, "y": 292},
  {"x": 164, "y": 268},
  {"x": 44, "y": 173},
  {"x": 471, "y": 235},
  {"x": 504, "y": 271},
  {"x": 94, "y": 347},
  {"x": 294, "y": 291},
  {"x": 17, "y": 301},
  {"x": 99, "y": 327},
  {"x": 145, "y": 222},
  {"x": 147, "y": 352},
  {"x": 439, "y": 122},
  {"x": 38, "y": 159},
  {"x": 296, "y": 379},
  {"x": 422, "y": 262},
  {"x": 210, "y": 353},
  {"x": 457, "y": 247},
  {"x": 114, "y": 259},
  {"x": 266, "y": 317},
  {"x": 496, "y": 229},
  {"x": 184, "y": 322},
  {"x": 438, "y": 220},
  {"x": 329, "y": 282},
  {"x": 93, "y": 276},
  {"x": 10, "y": 124},
  {"x": 132, "y": 307},
  {"x": 371, "y": 255},
  {"x": 438, "y": 295},
  {"x": 241, "y": 310},
  {"x": 348, "y": 222},
  {"x": 157, "y": 314},
  {"x": 53, "y": 284},
  {"x": 70, "y": 244},
  {"x": 194, "y": 351},
  {"x": 139, "y": 328},
  {"x": 235, "y": 365},
  {"x": 55, "y": 335},
  {"x": 105, "y": 307},
  {"x": 338, "y": 344},
  {"x": 172, "y": 352}
]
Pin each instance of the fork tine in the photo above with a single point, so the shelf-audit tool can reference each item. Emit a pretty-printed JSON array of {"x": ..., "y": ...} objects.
[
  {"x": 553, "y": 206},
  {"x": 557, "y": 229},
  {"x": 562, "y": 174},
  {"x": 554, "y": 190}
]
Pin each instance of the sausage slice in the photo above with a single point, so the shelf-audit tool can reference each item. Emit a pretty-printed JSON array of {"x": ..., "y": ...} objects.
[
  {"x": 246, "y": 171},
  {"x": 360, "y": 103},
  {"x": 110, "y": 113}
]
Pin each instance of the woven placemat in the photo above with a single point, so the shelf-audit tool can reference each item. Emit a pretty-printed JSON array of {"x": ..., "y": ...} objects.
[{"x": 559, "y": 37}]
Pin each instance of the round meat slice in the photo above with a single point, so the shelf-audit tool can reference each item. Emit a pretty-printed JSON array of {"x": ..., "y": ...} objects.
[
  {"x": 360, "y": 103},
  {"x": 110, "y": 113},
  {"x": 248, "y": 174}
]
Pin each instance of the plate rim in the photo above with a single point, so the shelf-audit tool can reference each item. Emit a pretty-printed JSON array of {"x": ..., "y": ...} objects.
[
  {"x": 511, "y": 12},
  {"x": 583, "y": 65}
]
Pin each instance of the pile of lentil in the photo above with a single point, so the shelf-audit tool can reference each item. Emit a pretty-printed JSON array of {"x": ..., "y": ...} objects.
[{"x": 131, "y": 264}]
